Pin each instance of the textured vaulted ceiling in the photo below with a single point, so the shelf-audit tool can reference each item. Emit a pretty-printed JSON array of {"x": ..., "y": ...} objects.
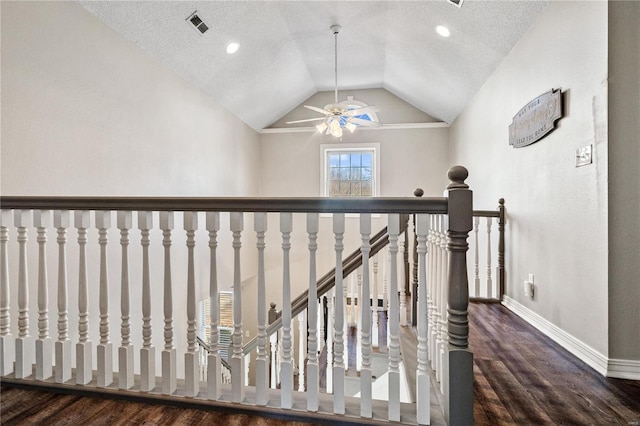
[{"x": 286, "y": 48}]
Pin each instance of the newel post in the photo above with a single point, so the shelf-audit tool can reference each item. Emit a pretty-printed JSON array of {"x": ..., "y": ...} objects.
[{"x": 459, "y": 387}]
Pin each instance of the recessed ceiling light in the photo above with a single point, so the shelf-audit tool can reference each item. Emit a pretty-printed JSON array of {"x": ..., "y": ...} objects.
[
  {"x": 443, "y": 31},
  {"x": 232, "y": 48}
]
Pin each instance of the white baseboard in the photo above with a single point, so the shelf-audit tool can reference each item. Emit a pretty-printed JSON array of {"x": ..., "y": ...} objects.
[
  {"x": 618, "y": 368},
  {"x": 624, "y": 369}
]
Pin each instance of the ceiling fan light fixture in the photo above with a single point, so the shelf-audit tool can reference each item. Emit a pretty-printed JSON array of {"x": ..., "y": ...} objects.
[
  {"x": 337, "y": 133},
  {"x": 321, "y": 127},
  {"x": 349, "y": 114}
]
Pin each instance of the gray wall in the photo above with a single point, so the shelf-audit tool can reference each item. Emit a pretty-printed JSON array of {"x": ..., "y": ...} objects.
[{"x": 624, "y": 179}]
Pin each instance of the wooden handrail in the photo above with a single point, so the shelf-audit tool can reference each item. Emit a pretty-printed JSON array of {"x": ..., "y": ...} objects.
[
  {"x": 207, "y": 348},
  {"x": 404, "y": 205}
]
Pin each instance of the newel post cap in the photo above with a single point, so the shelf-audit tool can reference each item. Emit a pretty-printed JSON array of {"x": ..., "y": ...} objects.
[
  {"x": 457, "y": 175},
  {"x": 418, "y": 192}
]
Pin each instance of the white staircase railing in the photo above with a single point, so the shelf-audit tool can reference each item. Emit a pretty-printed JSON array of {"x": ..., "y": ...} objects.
[{"x": 176, "y": 370}]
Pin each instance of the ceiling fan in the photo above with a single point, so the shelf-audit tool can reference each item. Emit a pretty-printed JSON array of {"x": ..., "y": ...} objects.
[{"x": 347, "y": 114}]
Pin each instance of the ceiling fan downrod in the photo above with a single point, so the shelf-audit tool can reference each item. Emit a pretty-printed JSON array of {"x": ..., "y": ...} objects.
[{"x": 336, "y": 30}]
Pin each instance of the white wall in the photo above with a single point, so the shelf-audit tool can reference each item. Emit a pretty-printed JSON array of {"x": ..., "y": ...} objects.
[
  {"x": 557, "y": 213},
  {"x": 87, "y": 112}
]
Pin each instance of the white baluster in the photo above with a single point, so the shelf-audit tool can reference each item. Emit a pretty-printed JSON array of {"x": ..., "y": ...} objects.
[
  {"x": 422, "y": 374},
  {"x": 44, "y": 345},
  {"x": 237, "y": 359},
  {"x": 147, "y": 352},
  {"x": 385, "y": 288},
  {"x": 313, "y": 371},
  {"x": 104, "y": 348},
  {"x": 125, "y": 351},
  {"x": 476, "y": 253},
  {"x": 169, "y": 372},
  {"x": 442, "y": 348},
  {"x": 339, "y": 363},
  {"x": 440, "y": 277},
  {"x": 431, "y": 290},
  {"x": 63, "y": 344},
  {"x": 362, "y": 305},
  {"x": 273, "y": 341},
  {"x": 321, "y": 331},
  {"x": 330, "y": 331},
  {"x": 350, "y": 318},
  {"x": 394, "y": 326},
  {"x": 442, "y": 341},
  {"x": 489, "y": 281},
  {"x": 352, "y": 300},
  {"x": 23, "y": 367},
  {"x": 365, "y": 370},
  {"x": 403, "y": 293},
  {"x": 83, "y": 347},
  {"x": 214, "y": 368},
  {"x": 262, "y": 360},
  {"x": 191, "y": 362},
  {"x": 302, "y": 347},
  {"x": 374, "y": 305},
  {"x": 7, "y": 344},
  {"x": 286, "y": 364}
]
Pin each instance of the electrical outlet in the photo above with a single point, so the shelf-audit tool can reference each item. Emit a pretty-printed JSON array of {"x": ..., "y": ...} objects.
[
  {"x": 246, "y": 333},
  {"x": 531, "y": 278}
]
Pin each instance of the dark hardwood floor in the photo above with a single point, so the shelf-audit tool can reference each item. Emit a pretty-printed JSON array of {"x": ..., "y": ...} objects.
[
  {"x": 521, "y": 378},
  {"x": 524, "y": 378}
]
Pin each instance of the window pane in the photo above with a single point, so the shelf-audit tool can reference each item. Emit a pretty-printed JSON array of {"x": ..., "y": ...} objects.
[
  {"x": 345, "y": 160},
  {"x": 356, "y": 189},
  {"x": 344, "y": 173},
  {"x": 345, "y": 189},
  {"x": 367, "y": 189},
  {"x": 367, "y": 159},
  {"x": 334, "y": 189},
  {"x": 355, "y": 160},
  {"x": 334, "y": 173},
  {"x": 334, "y": 160},
  {"x": 366, "y": 173},
  {"x": 355, "y": 174}
]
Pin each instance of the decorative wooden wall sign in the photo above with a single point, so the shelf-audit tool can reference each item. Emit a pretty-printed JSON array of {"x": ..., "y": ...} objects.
[{"x": 536, "y": 119}]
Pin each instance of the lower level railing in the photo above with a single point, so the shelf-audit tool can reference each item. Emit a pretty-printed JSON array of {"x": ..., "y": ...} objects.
[{"x": 157, "y": 299}]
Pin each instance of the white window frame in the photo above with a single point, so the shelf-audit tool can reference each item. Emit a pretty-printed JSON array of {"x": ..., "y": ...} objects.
[{"x": 325, "y": 149}]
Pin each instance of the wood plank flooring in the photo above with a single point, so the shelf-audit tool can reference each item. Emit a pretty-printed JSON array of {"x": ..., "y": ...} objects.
[
  {"x": 521, "y": 378},
  {"x": 524, "y": 378}
]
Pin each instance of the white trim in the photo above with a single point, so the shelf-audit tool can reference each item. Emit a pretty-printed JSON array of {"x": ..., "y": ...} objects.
[
  {"x": 582, "y": 351},
  {"x": 398, "y": 126},
  {"x": 624, "y": 369}
]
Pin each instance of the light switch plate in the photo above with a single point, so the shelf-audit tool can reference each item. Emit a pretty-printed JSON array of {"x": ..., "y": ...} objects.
[{"x": 583, "y": 156}]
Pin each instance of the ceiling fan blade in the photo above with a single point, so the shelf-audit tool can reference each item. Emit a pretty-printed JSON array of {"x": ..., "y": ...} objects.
[
  {"x": 363, "y": 110},
  {"x": 304, "y": 121},
  {"x": 365, "y": 123},
  {"x": 316, "y": 109}
]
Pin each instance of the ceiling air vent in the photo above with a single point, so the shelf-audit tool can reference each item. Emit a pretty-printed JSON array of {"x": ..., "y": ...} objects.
[
  {"x": 455, "y": 2},
  {"x": 197, "y": 23}
]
